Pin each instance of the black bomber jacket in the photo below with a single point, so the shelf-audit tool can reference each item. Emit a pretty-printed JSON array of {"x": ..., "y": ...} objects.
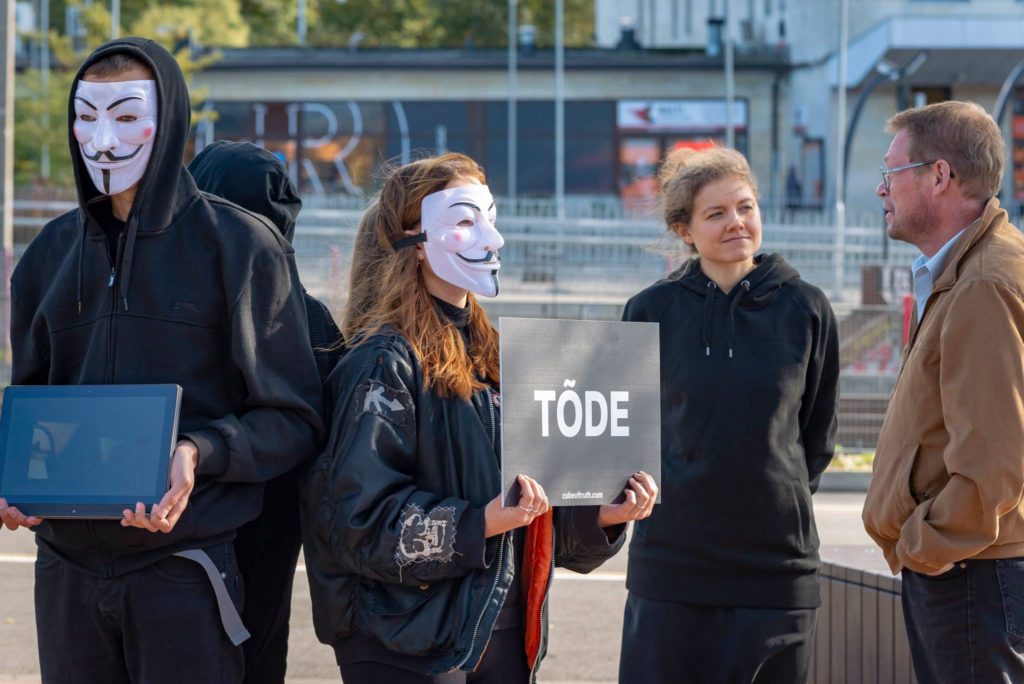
[{"x": 393, "y": 519}]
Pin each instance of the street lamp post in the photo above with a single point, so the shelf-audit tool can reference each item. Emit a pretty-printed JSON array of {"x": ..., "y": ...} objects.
[
  {"x": 7, "y": 31},
  {"x": 560, "y": 107},
  {"x": 840, "y": 191},
  {"x": 512, "y": 66},
  {"x": 44, "y": 85},
  {"x": 730, "y": 77}
]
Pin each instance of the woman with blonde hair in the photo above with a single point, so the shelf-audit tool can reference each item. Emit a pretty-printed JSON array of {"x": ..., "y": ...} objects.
[
  {"x": 417, "y": 572},
  {"x": 723, "y": 578}
]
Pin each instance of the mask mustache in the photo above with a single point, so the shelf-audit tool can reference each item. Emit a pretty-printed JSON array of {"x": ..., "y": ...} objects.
[
  {"x": 482, "y": 260},
  {"x": 110, "y": 155}
]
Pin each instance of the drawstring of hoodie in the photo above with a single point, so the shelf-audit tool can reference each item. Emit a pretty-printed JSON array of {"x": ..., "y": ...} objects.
[
  {"x": 81, "y": 260},
  {"x": 744, "y": 289},
  {"x": 127, "y": 257},
  {"x": 126, "y": 262},
  {"x": 709, "y": 307}
]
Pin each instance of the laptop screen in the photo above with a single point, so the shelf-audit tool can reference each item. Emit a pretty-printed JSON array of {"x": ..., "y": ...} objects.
[{"x": 85, "y": 449}]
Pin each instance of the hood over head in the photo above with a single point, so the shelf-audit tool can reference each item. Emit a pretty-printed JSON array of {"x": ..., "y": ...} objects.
[
  {"x": 166, "y": 187},
  {"x": 252, "y": 178}
]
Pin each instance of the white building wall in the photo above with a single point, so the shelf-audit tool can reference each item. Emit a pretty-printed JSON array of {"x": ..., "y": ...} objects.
[{"x": 813, "y": 30}]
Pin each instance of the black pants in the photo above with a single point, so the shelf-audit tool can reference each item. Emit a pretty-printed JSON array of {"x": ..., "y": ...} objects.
[
  {"x": 967, "y": 625},
  {"x": 504, "y": 662},
  {"x": 155, "y": 625},
  {"x": 268, "y": 550},
  {"x": 680, "y": 643}
]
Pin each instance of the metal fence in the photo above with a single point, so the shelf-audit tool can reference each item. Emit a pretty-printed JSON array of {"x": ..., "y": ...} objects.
[
  {"x": 860, "y": 636},
  {"x": 585, "y": 267}
]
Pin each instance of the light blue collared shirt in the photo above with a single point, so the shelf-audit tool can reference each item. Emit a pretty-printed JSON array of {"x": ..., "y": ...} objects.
[{"x": 926, "y": 269}]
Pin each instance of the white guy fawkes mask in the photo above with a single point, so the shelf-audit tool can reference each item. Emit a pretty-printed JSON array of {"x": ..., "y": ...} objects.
[
  {"x": 115, "y": 125},
  {"x": 462, "y": 241}
]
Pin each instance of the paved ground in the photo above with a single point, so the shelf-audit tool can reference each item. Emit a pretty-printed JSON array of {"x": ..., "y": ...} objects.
[{"x": 586, "y": 611}]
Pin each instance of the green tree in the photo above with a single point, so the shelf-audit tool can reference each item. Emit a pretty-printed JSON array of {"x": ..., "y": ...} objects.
[
  {"x": 41, "y": 118},
  {"x": 443, "y": 23},
  {"x": 271, "y": 22}
]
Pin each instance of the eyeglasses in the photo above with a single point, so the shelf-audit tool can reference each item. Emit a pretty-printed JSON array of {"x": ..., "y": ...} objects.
[{"x": 887, "y": 172}]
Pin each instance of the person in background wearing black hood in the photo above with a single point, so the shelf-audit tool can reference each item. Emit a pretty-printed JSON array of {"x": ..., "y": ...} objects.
[
  {"x": 723, "y": 577},
  {"x": 214, "y": 306},
  {"x": 268, "y": 547},
  {"x": 417, "y": 573}
]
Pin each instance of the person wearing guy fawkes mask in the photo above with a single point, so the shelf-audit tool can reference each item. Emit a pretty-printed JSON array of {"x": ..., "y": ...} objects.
[
  {"x": 417, "y": 573},
  {"x": 150, "y": 281},
  {"x": 268, "y": 547}
]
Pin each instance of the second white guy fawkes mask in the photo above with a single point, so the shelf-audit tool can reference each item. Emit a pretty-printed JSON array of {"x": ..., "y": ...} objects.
[
  {"x": 462, "y": 241},
  {"x": 115, "y": 125}
]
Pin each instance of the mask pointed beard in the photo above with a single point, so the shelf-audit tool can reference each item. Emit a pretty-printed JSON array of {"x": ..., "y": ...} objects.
[
  {"x": 462, "y": 241},
  {"x": 115, "y": 126}
]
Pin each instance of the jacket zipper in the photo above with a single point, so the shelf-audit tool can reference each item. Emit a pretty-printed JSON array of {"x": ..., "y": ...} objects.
[
  {"x": 111, "y": 343},
  {"x": 543, "y": 613},
  {"x": 501, "y": 555},
  {"x": 490, "y": 409},
  {"x": 480, "y": 618}
]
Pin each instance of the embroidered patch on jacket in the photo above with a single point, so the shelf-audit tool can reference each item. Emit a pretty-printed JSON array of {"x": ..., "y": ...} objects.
[
  {"x": 426, "y": 536},
  {"x": 393, "y": 405}
]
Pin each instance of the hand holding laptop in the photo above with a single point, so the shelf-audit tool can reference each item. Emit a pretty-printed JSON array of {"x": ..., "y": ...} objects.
[
  {"x": 164, "y": 515},
  {"x": 12, "y": 518}
]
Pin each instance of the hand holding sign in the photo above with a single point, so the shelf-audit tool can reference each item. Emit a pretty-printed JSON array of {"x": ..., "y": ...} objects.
[
  {"x": 580, "y": 408},
  {"x": 533, "y": 502},
  {"x": 641, "y": 495}
]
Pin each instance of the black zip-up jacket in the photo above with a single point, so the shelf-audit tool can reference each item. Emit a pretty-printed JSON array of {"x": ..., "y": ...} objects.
[
  {"x": 393, "y": 519},
  {"x": 749, "y": 381},
  {"x": 203, "y": 294}
]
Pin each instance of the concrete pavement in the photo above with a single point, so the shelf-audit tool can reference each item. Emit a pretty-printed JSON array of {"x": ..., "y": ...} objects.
[{"x": 586, "y": 610}]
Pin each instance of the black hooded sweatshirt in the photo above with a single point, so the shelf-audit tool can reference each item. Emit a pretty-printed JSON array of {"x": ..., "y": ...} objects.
[
  {"x": 201, "y": 293},
  {"x": 749, "y": 382},
  {"x": 252, "y": 177}
]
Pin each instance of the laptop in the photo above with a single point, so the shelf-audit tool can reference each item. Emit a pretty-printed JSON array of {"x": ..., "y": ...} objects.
[{"x": 86, "y": 451}]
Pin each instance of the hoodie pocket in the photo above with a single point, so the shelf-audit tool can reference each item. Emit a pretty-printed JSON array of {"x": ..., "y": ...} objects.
[{"x": 806, "y": 534}]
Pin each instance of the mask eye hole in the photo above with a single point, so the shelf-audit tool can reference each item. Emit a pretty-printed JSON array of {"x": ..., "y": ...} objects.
[
  {"x": 88, "y": 118},
  {"x": 465, "y": 223}
]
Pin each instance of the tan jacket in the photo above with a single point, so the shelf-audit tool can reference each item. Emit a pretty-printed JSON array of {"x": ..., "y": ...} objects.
[{"x": 949, "y": 467}]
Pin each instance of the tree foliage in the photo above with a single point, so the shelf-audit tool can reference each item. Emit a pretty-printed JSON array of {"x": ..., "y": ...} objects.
[
  {"x": 41, "y": 116},
  {"x": 41, "y": 108},
  {"x": 442, "y": 23}
]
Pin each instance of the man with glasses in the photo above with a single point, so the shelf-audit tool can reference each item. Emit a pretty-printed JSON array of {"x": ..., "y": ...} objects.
[{"x": 945, "y": 501}]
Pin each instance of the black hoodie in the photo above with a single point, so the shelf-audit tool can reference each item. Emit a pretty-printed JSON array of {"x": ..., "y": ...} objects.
[
  {"x": 252, "y": 177},
  {"x": 749, "y": 381},
  {"x": 203, "y": 294}
]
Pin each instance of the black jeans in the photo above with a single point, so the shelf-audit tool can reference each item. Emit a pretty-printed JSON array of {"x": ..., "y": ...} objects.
[
  {"x": 967, "y": 625},
  {"x": 268, "y": 550},
  {"x": 682, "y": 643},
  {"x": 155, "y": 625}
]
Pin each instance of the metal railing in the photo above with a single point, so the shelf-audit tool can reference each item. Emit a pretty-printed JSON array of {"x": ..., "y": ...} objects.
[{"x": 588, "y": 268}]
